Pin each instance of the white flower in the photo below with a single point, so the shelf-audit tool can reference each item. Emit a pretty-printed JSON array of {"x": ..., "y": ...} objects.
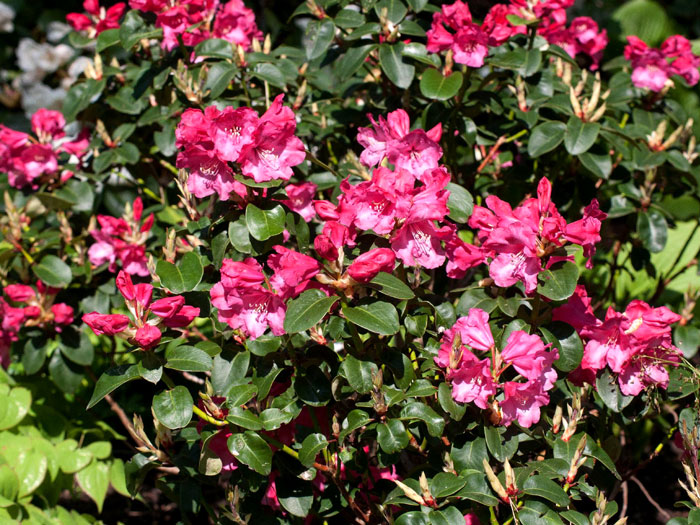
[
  {"x": 36, "y": 60},
  {"x": 7, "y": 15},
  {"x": 56, "y": 31}
]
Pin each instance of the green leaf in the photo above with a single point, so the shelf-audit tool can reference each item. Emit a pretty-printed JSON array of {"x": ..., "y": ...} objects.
[
  {"x": 395, "y": 10},
  {"x": 133, "y": 29},
  {"x": 599, "y": 165},
  {"x": 432, "y": 419},
  {"x": 312, "y": 387},
  {"x": 349, "y": 18},
  {"x": 352, "y": 60},
  {"x": 53, "y": 271},
  {"x": 354, "y": 420},
  {"x": 319, "y": 36},
  {"x": 391, "y": 286},
  {"x": 30, "y": 467},
  {"x": 240, "y": 394},
  {"x": 252, "y": 450},
  {"x": 310, "y": 447},
  {"x": 173, "y": 407},
  {"x": 653, "y": 230},
  {"x": 9, "y": 483},
  {"x": 274, "y": 418},
  {"x": 111, "y": 380},
  {"x": 495, "y": 443},
  {"x": 544, "y": 487},
  {"x": 580, "y": 136},
  {"x": 476, "y": 488},
  {"x": 377, "y": 317},
  {"x": 219, "y": 77},
  {"x": 545, "y": 137},
  {"x": 392, "y": 436},
  {"x": 70, "y": 458},
  {"x": 228, "y": 372},
  {"x": 170, "y": 276},
  {"x": 64, "y": 374},
  {"x": 413, "y": 518},
  {"x": 446, "y": 516},
  {"x": 107, "y": 39},
  {"x": 646, "y": 19},
  {"x": 272, "y": 75},
  {"x": 436, "y": 86},
  {"x": 94, "y": 481},
  {"x": 265, "y": 344},
  {"x": 307, "y": 310},
  {"x": 460, "y": 203},
  {"x": 263, "y": 224},
  {"x": 398, "y": 71},
  {"x": 471, "y": 455},
  {"x": 559, "y": 283},
  {"x": 456, "y": 411},
  {"x": 16, "y": 405},
  {"x": 359, "y": 374},
  {"x": 609, "y": 392},
  {"x": 244, "y": 418},
  {"x": 565, "y": 339},
  {"x": 188, "y": 359},
  {"x": 215, "y": 47},
  {"x": 76, "y": 347},
  {"x": 445, "y": 484},
  {"x": 191, "y": 270},
  {"x": 296, "y": 498}
]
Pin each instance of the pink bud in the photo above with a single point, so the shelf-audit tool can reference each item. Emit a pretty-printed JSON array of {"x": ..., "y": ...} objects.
[
  {"x": 368, "y": 265},
  {"x": 20, "y": 293},
  {"x": 125, "y": 285},
  {"x": 325, "y": 248},
  {"x": 167, "y": 306},
  {"x": 138, "y": 208},
  {"x": 182, "y": 318},
  {"x": 62, "y": 313},
  {"x": 147, "y": 224},
  {"x": 326, "y": 210},
  {"x": 143, "y": 293},
  {"x": 32, "y": 312},
  {"x": 107, "y": 324},
  {"x": 147, "y": 336}
]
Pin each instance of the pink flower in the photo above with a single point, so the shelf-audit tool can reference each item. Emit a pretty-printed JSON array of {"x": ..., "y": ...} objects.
[
  {"x": 522, "y": 403},
  {"x": 48, "y": 123},
  {"x": 167, "y": 307},
  {"x": 326, "y": 210},
  {"x": 62, "y": 314},
  {"x": 469, "y": 43},
  {"x": 577, "y": 311},
  {"x": 275, "y": 148},
  {"x": 208, "y": 175},
  {"x": 420, "y": 244},
  {"x": 652, "y": 68},
  {"x": 497, "y": 26},
  {"x": 20, "y": 293},
  {"x": 461, "y": 257},
  {"x": 147, "y": 336},
  {"x": 107, "y": 324},
  {"x": 293, "y": 271},
  {"x": 529, "y": 356},
  {"x": 183, "y": 317},
  {"x": 366, "y": 267},
  {"x": 326, "y": 249},
  {"x": 97, "y": 19},
  {"x": 231, "y": 130},
  {"x": 475, "y": 331},
  {"x": 236, "y": 23},
  {"x": 148, "y": 5},
  {"x": 472, "y": 382},
  {"x": 243, "y": 303},
  {"x": 301, "y": 199}
]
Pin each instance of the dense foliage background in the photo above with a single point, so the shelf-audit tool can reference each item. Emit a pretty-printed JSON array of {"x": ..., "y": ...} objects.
[{"x": 349, "y": 262}]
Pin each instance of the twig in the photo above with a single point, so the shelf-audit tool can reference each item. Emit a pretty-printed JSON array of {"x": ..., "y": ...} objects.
[
  {"x": 625, "y": 494},
  {"x": 660, "y": 510}
]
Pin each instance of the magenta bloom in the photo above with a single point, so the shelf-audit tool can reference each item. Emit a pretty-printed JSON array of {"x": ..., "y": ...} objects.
[
  {"x": 366, "y": 267},
  {"x": 469, "y": 43},
  {"x": 652, "y": 68},
  {"x": 98, "y": 18},
  {"x": 236, "y": 23},
  {"x": 107, "y": 324},
  {"x": 529, "y": 356},
  {"x": 293, "y": 271},
  {"x": 301, "y": 199},
  {"x": 472, "y": 382},
  {"x": 522, "y": 403}
]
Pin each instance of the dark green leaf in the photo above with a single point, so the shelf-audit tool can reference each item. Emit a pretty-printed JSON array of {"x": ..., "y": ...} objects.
[
  {"x": 391, "y": 286},
  {"x": 436, "y": 86},
  {"x": 307, "y": 310},
  {"x": 358, "y": 373},
  {"x": 252, "y": 450},
  {"x": 319, "y": 36},
  {"x": 609, "y": 392},
  {"x": 310, "y": 447},
  {"x": 392, "y": 436},
  {"x": 399, "y": 72},
  {"x": 545, "y": 137},
  {"x": 173, "y": 407},
  {"x": 111, "y": 380},
  {"x": 544, "y": 487},
  {"x": 188, "y": 359},
  {"x": 423, "y": 412},
  {"x": 559, "y": 283},
  {"x": 460, "y": 203},
  {"x": 652, "y": 229},
  {"x": 580, "y": 136},
  {"x": 378, "y": 317},
  {"x": 263, "y": 224},
  {"x": 53, "y": 271},
  {"x": 243, "y": 418}
]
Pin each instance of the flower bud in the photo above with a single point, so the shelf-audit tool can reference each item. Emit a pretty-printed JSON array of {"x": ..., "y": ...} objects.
[
  {"x": 368, "y": 265},
  {"x": 168, "y": 306},
  {"x": 109, "y": 324},
  {"x": 20, "y": 293},
  {"x": 147, "y": 336}
]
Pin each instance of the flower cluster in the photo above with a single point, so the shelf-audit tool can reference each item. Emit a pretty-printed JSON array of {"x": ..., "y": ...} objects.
[
  {"x": 33, "y": 307},
  {"x": 264, "y": 148},
  {"x": 194, "y": 21},
  {"x": 480, "y": 381},
  {"x": 169, "y": 312},
  {"x": 469, "y": 42},
  {"x": 35, "y": 160},
  {"x": 96, "y": 18},
  {"x": 517, "y": 240},
  {"x": 249, "y": 307},
  {"x": 634, "y": 344},
  {"x": 653, "y": 68},
  {"x": 122, "y": 239}
]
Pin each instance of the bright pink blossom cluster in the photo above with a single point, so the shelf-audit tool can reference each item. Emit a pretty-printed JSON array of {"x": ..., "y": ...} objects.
[
  {"x": 264, "y": 148},
  {"x": 248, "y": 306},
  {"x": 453, "y": 29},
  {"x": 96, "y": 18},
  {"x": 653, "y": 68},
  {"x": 29, "y": 306},
  {"x": 634, "y": 344},
  {"x": 481, "y": 381},
  {"x": 122, "y": 239},
  {"x": 35, "y": 160},
  {"x": 518, "y": 241},
  {"x": 191, "y": 21},
  {"x": 169, "y": 312}
]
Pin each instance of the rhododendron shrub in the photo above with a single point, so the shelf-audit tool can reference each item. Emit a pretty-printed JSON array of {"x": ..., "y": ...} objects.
[{"x": 398, "y": 262}]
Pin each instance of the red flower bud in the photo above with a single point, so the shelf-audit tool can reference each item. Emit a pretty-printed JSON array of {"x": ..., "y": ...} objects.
[
  {"x": 107, "y": 324},
  {"x": 368, "y": 265},
  {"x": 147, "y": 336}
]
